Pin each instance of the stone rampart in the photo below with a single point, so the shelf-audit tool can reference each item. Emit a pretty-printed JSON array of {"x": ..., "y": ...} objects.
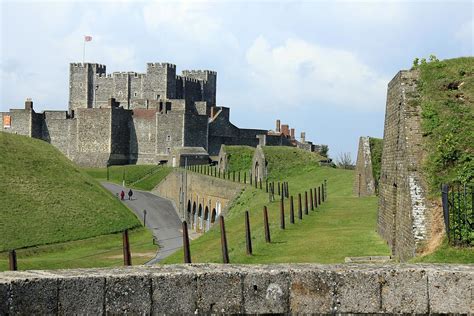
[
  {"x": 364, "y": 184},
  {"x": 251, "y": 289}
]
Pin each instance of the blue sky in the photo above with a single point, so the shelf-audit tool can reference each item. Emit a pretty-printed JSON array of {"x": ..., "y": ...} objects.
[{"x": 320, "y": 66}]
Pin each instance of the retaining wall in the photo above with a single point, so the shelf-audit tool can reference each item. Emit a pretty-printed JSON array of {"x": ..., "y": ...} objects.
[{"x": 212, "y": 288}]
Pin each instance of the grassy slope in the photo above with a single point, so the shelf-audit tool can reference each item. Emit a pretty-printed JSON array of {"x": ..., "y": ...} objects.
[
  {"x": 46, "y": 199},
  {"x": 138, "y": 175},
  {"x": 448, "y": 120},
  {"x": 343, "y": 226},
  {"x": 239, "y": 158}
]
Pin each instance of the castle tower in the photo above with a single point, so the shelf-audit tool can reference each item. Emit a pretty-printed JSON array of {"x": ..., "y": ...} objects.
[
  {"x": 208, "y": 80},
  {"x": 81, "y": 84},
  {"x": 160, "y": 81}
]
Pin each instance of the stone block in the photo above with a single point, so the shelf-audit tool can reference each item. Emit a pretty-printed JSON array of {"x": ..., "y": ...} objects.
[
  {"x": 404, "y": 291},
  {"x": 128, "y": 294},
  {"x": 451, "y": 292},
  {"x": 174, "y": 293},
  {"x": 266, "y": 290},
  {"x": 219, "y": 292},
  {"x": 36, "y": 296},
  {"x": 4, "y": 294},
  {"x": 357, "y": 291},
  {"x": 311, "y": 290},
  {"x": 81, "y": 294}
]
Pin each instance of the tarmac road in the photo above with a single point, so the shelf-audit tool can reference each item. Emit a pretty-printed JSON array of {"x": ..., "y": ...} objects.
[{"x": 161, "y": 219}]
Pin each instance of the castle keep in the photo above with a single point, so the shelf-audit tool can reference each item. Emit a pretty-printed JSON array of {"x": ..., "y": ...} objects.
[{"x": 145, "y": 118}]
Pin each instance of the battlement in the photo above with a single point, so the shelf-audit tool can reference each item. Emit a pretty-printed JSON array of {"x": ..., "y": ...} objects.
[
  {"x": 160, "y": 65},
  {"x": 99, "y": 67},
  {"x": 103, "y": 75},
  {"x": 188, "y": 79},
  {"x": 199, "y": 72}
]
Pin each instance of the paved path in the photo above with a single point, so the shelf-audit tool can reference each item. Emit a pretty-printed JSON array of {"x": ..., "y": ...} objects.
[{"x": 161, "y": 219}]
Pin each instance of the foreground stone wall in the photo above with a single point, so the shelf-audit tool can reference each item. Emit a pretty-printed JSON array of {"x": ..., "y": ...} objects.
[
  {"x": 364, "y": 184},
  {"x": 404, "y": 216},
  {"x": 213, "y": 288}
]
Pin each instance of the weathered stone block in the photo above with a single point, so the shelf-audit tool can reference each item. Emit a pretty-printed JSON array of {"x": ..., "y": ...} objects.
[
  {"x": 128, "y": 294},
  {"x": 84, "y": 294},
  {"x": 219, "y": 292},
  {"x": 357, "y": 291},
  {"x": 37, "y": 296},
  {"x": 174, "y": 293},
  {"x": 4, "y": 294},
  {"x": 311, "y": 291},
  {"x": 266, "y": 290},
  {"x": 451, "y": 291},
  {"x": 405, "y": 290}
]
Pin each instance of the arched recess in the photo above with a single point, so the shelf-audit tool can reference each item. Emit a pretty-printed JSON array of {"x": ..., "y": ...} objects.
[
  {"x": 213, "y": 215},
  {"x": 193, "y": 219},
  {"x": 188, "y": 212},
  {"x": 206, "y": 219},
  {"x": 256, "y": 171},
  {"x": 199, "y": 217}
]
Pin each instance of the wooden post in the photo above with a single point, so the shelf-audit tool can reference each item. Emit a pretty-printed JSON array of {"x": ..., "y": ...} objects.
[
  {"x": 260, "y": 181},
  {"x": 287, "y": 190},
  {"x": 282, "y": 213},
  {"x": 238, "y": 176},
  {"x": 326, "y": 189},
  {"x": 250, "y": 178},
  {"x": 265, "y": 223},
  {"x": 12, "y": 260},
  {"x": 315, "y": 198},
  {"x": 219, "y": 173},
  {"x": 306, "y": 202},
  {"x": 266, "y": 185},
  {"x": 245, "y": 177},
  {"x": 187, "y": 253},
  {"x": 279, "y": 193},
  {"x": 233, "y": 176},
  {"x": 300, "y": 211},
  {"x": 248, "y": 239},
  {"x": 323, "y": 189},
  {"x": 292, "y": 211},
  {"x": 256, "y": 182},
  {"x": 127, "y": 257},
  {"x": 311, "y": 199},
  {"x": 225, "y": 253},
  {"x": 319, "y": 195}
]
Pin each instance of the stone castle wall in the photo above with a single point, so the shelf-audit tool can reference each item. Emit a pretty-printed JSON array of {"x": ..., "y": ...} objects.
[
  {"x": 404, "y": 216},
  {"x": 364, "y": 184}
]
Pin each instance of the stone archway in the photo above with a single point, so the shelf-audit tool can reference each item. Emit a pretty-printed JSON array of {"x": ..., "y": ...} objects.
[
  {"x": 188, "y": 212},
  {"x": 213, "y": 216},
  {"x": 193, "y": 220},
  {"x": 207, "y": 224},
  {"x": 199, "y": 219}
]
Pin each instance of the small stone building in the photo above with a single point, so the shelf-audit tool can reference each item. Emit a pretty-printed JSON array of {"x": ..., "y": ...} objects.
[{"x": 259, "y": 164}]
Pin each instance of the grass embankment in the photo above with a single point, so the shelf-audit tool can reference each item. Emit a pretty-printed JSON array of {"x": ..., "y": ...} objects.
[
  {"x": 45, "y": 199},
  {"x": 447, "y": 93},
  {"x": 447, "y": 254},
  {"x": 239, "y": 158},
  {"x": 142, "y": 177},
  {"x": 343, "y": 226}
]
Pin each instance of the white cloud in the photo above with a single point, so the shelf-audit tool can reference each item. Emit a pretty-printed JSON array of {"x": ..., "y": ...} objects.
[
  {"x": 300, "y": 72},
  {"x": 466, "y": 32}
]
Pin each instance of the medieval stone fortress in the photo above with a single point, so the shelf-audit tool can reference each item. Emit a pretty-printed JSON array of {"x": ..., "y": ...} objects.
[{"x": 142, "y": 118}]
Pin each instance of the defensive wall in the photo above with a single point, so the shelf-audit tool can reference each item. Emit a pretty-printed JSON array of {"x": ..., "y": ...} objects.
[
  {"x": 259, "y": 164},
  {"x": 251, "y": 289},
  {"x": 199, "y": 199},
  {"x": 364, "y": 184},
  {"x": 404, "y": 215}
]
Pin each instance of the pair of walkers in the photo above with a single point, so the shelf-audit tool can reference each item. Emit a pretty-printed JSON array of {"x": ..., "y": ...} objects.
[{"x": 122, "y": 194}]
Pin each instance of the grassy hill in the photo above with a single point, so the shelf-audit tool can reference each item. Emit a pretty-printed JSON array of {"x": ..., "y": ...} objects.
[
  {"x": 45, "y": 198},
  {"x": 239, "y": 158},
  {"x": 344, "y": 226}
]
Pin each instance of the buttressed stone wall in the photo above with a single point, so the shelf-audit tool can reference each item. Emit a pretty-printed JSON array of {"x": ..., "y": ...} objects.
[
  {"x": 404, "y": 217},
  {"x": 364, "y": 184},
  {"x": 259, "y": 164}
]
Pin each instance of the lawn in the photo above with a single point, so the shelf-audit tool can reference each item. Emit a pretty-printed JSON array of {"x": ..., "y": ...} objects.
[{"x": 101, "y": 251}]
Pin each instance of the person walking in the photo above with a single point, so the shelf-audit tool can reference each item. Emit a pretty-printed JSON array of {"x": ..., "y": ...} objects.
[
  {"x": 130, "y": 193},
  {"x": 122, "y": 195}
]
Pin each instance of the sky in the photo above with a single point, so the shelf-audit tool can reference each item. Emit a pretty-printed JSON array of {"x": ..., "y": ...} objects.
[{"x": 320, "y": 66}]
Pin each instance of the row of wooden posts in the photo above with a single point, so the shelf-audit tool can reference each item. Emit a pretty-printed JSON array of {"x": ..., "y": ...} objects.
[
  {"x": 319, "y": 196},
  {"x": 127, "y": 255}
]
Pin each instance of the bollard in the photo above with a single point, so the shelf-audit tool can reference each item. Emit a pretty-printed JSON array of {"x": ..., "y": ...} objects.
[
  {"x": 306, "y": 202},
  {"x": 311, "y": 199},
  {"x": 248, "y": 239},
  {"x": 12, "y": 260},
  {"x": 282, "y": 213},
  {"x": 319, "y": 195},
  {"x": 187, "y": 253},
  {"x": 225, "y": 253},
  {"x": 127, "y": 257},
  {"x": 300, "y": 211},
  {"x": 265, "y": 223},
  {"x": 292, "y": 211}
]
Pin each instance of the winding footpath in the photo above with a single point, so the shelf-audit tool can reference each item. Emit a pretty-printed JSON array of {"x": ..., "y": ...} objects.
[{"x": 161, "y": 219}]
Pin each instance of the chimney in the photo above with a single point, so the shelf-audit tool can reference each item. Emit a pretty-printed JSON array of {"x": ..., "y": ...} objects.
[
  {"x": 292, "y": 133},
  {"x": 303, "y": 136},
  {"x": 285, "y": 130},
  {"x": 28, "y": 104},
  {"x": 277, "y": 126}
]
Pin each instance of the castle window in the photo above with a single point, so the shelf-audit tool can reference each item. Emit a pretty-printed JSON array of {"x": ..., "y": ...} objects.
[
  {"x": 168, "y": 138},
  {"x": 157, "y": 96},
  {"x": 81, "y": 85},
  {"x": 120, "y": 93},
  {"x": 135, "y": 94},
  {"x": 168, "y": 150}
]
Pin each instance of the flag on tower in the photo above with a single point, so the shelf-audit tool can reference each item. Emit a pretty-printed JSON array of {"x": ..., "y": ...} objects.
[{"x": 87, "y": 38}]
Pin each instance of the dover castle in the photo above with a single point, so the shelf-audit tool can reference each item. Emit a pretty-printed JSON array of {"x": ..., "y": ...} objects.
[{"x": 144, "y": 118}]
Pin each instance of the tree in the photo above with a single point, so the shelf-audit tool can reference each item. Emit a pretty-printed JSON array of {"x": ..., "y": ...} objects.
[
  {"x": 344, "y": 161},
  {"x": 324, "y": 150}
]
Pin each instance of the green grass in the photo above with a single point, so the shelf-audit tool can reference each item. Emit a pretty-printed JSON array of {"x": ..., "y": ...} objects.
[
  {"x": 448, "y": 254},
  {"x": 344, "y": 225},
  {"x": 239, "y": 158},
  {"x": 142, "y": 177},
  {"x": 376, "y": 148},
  {"x": 448, "y": 120},
  {"x": 101, "y": 251},
  {"x": 46, "y": 199}
]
